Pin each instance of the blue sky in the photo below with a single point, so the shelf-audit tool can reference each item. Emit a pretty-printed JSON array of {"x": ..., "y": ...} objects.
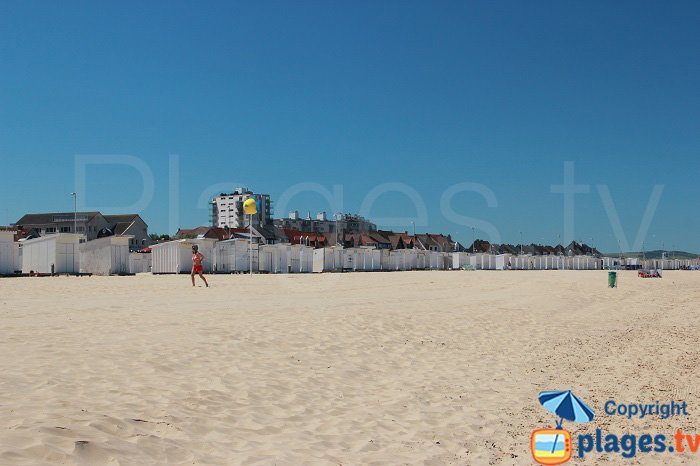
[{"x": 425, "y": 94}]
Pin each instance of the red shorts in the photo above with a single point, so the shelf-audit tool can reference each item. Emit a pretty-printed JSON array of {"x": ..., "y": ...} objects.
[{"x": 197, "y": 269}]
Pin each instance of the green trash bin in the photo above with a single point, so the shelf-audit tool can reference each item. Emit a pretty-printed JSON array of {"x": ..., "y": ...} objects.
[{"x": 612, "y": 279}]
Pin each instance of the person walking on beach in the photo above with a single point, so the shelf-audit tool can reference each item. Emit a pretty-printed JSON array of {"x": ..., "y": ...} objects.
[{"x": 197, "y": 258}]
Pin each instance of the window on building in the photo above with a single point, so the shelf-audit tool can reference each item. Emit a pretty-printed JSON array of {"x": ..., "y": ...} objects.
[
  {"x": 65, "y": 230},
  {"x": 81, "y": 229}
]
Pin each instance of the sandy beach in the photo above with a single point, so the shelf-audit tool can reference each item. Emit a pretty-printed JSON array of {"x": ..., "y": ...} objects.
[{"x": 426, "y": 368}]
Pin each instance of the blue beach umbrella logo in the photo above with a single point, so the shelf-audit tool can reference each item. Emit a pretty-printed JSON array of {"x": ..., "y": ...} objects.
[
  {"x": 553, "y": 446},
  {"x": 567, "y": 406}
]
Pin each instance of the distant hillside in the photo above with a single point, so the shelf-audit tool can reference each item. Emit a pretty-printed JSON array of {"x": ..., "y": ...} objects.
[{"x": 656, "y": 254}]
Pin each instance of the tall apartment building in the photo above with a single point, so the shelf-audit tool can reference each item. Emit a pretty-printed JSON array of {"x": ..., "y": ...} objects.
[{"x": 227, "y": 209}]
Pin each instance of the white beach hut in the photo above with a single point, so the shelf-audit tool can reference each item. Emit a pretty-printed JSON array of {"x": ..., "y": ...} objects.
[
  {"x": 422, "y": 259},
  {"x": 105, "y": 256},
  {"x": 385, "y": 259},
  {"x": 395, "y": 261},
  {"x": 9, "y": 253},
  {"x": 139, "y": 262},
  {"x": 488, "y": 262},
  {"x": 403, "y": 259},
  {"x": 328, "y": 259},
  {"x": 550, "y": 262},
  {"x": 475, "y": 261},
  {"x": 481, "y": 261},
  {"x": 58, "y": 253},
  {"x": 554, "y": 262},
  {"x": 274, "y": 258},
  {"x": 302, "y": 258},
  {"x": 362, "y": 259},
  {"x": 459, "y": 260},
  {"x": 349, "y": 256},
  {"x": 375, "y": 258},
  {"x": 352, "y": 259},
  {"x": 232, "y": 256},
  {"x": 411, "y": 262},
  {"x": 515, "y": 263},
  {"x": 176, "y": 256},
  {"x": 502, "y": 261},
  {"x": 564, "y": 263},
  {"x": 286, "y": 258},
  {"x": 440, "y": 260},
  {"x": 539, "y": 263},
  {"x": 591, "y": 263}
]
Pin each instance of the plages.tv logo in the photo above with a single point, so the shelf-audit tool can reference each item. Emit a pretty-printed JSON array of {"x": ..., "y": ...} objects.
[{"x": 553, "y": 446}]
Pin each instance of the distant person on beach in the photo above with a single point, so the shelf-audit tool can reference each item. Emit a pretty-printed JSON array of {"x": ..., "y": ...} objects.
[{"x": 197, "y": 258}]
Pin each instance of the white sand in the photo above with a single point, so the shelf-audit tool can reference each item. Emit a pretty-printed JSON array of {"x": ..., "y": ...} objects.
[{"x": 364, "y": 368}]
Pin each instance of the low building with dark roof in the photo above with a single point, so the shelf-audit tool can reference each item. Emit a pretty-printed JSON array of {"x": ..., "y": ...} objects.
[
  {"x": 481, "y": 246},
  {"x": 219, "y": 234},
  {"x": 370, "y": 239},
  {"x": 84, "y": 223},
  {"x": 309, "y": 238},
  {"x": 89, "y": 224},
  {"x": 130, "y": 225}
]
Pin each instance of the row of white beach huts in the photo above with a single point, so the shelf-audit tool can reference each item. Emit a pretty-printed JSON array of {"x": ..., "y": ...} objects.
[
  {"x": 66, "y": 254},
  {"x": 234, "y": 256}
]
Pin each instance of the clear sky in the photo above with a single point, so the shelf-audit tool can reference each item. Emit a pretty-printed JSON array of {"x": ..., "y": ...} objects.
[{"x": 425, "y": 95}]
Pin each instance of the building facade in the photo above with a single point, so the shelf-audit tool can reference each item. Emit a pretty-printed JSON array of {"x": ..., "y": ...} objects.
[
  {"x": 227, "y": 209},
  {"x": 340, "y": 224},
  {"x": 89, "y": 224},
  {"x": 130, "y": 225}
]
